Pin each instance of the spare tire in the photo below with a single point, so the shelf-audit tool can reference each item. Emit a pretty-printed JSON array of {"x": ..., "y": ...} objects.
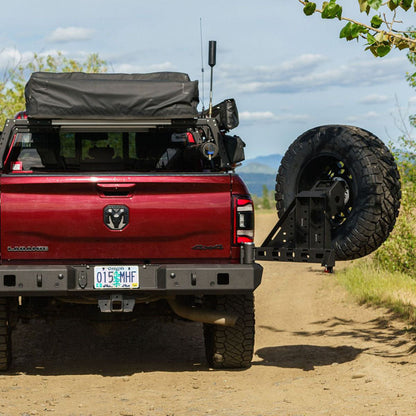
[{"x": 370, "y": 175}]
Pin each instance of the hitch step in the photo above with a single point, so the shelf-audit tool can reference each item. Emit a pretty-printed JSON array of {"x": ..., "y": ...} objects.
[{"x": 325, "y": 257}]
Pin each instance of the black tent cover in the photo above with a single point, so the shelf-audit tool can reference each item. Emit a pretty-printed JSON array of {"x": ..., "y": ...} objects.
[{"x": 78, "y": 95}]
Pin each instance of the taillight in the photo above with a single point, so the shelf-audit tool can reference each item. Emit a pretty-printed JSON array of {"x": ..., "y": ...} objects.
[{"x": 243, "y": 220}]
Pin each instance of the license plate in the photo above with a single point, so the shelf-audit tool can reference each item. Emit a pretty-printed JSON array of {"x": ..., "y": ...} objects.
[{"x": 116, "y": 277}]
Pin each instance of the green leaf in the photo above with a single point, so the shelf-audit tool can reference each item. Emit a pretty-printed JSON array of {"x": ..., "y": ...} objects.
[
  {"x": 376, "y": 21},
  {"x": 383, "y": 50},
  {"x": 331, "y": 10},
  {"x": 309, "y": 8},
  {"x": 373, "y": 50},
  {"x": 375, "y": 4},
  {"x": 346, "y": 31},
  {"x": 355, "y": 31},
  {"x": 339, "y": 13},
  {"x": 393, "y": 4},
  {"x": 380, "y": 37},
  {"x": 371, "y": 39},
  {"x": 352, "y": 30},
  {"x": 364, "y": 7},
  {"x": 402, "y": 44},
  {"x": 406, "y": 4},
  {"x": 325, "y": 12}
]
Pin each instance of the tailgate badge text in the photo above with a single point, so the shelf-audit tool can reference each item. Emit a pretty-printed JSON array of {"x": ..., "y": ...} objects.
[{"x": 26, "y": 249}]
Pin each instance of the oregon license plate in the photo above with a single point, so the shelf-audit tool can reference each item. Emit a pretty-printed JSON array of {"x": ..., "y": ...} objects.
[{"x": 116, "y": 277}]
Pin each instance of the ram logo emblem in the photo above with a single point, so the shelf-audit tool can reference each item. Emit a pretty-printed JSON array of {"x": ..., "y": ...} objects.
[{"x": 116, "y": 217}]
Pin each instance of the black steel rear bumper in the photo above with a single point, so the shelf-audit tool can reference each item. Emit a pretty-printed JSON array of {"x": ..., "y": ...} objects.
[{"x": 172, "y": 279}]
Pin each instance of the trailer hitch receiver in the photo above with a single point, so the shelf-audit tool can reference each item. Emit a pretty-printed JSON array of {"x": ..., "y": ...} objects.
[{"x": 116, "y": 303}]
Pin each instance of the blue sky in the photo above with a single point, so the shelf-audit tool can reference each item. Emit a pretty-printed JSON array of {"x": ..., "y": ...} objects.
[{"x": 287, "y": 72}]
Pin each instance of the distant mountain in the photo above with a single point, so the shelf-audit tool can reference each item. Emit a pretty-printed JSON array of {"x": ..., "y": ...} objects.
[
  {"x": 260, "y": 171},
  {"x": 255, "y": 182},
  {"x": 256, "y": 168},
  {"x": 273, "y": 161}
]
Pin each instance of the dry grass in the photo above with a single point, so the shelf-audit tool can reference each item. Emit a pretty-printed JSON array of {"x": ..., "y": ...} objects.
[{"x": 376, "y": 286}]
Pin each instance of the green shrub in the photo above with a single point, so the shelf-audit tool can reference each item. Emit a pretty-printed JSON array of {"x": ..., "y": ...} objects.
[
  {"x": 266, "y": 201},
  {"x": 398, "y": 253}
]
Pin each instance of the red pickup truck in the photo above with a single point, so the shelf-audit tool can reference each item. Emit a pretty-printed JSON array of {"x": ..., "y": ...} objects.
[
  {"x": 116, "y": 192},
  {"x": 105, "y": 208}
]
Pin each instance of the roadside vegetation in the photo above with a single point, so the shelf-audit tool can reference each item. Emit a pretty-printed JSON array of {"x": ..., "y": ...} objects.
[
  {"x": 374, "y": 285},
  {"x": 388, "y": 277},
  {"x": 266, "y": 201}
]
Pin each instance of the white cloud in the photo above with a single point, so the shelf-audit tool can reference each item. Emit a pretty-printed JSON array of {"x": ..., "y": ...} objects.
[
  {"x": 256, "y": 115},
  {"x": 412, "y": 100},
  {"x": 374, "y": 99},
  {"x": 352, "y": 119},
  {"x": 294, "y": 118},
  {"x": 268, "y": 116},
  {"x": 10, "y": 57},
  {"x": 311, "y": 73},
  {"x": 369, "y": 115},
  {"x": 130, "y": 68},
  {"x": 264, "y": 78},
  {"x": 70, "y": 34},
  {"x": 297, "y": 64}
]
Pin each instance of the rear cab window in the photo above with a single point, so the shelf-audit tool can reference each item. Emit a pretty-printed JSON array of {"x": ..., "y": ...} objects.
[{"x": 54, "y": 150}]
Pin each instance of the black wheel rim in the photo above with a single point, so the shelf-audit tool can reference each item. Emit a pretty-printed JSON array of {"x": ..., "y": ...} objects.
[{"x": 329, "y": 167}]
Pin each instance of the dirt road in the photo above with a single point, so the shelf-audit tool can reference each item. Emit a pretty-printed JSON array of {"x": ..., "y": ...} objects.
[{"x": 316, "y": 353}]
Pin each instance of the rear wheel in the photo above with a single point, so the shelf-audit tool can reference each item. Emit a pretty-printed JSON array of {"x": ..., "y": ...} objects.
[
  {"x": 368, "y": 170},
  {"x": 231, "y": 346},
  {"x": 5, "y": 334}
]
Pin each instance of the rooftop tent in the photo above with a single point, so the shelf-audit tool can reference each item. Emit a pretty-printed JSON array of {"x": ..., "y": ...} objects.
[{"x": 127, "y": 96}]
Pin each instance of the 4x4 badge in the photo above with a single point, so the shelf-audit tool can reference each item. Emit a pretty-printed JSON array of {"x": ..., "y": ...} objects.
[{"x": 116, "y": 217}]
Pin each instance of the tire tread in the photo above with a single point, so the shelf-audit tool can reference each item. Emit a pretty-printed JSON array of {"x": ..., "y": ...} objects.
[{"x": 231, "y": 347}]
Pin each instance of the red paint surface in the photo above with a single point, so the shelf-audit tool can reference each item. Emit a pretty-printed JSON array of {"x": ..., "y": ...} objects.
[{"x": 169, "y": 215}]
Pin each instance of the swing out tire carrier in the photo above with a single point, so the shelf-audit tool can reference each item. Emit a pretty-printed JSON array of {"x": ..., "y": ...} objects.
[{"x": 114, "y": 207}]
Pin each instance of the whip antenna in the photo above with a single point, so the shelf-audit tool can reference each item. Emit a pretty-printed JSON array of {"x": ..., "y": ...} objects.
[
  {"x": 202, "y": 67},
  {"x": 211, "y": 62}
]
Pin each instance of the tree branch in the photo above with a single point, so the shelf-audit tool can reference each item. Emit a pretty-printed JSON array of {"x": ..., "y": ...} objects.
[{"x": 390, "y": 33}]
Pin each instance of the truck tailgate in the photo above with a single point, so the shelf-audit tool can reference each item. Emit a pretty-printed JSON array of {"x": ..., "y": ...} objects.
[{"x": 116, "y": 218}]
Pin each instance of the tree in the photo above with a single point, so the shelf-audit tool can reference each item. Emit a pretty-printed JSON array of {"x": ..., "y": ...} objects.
[
  {"x": 411, "y": 78},
  {"x": 265, "y": 199},
  {"x": 13, "y": 85},
  {"x": 381, "y": 32}
]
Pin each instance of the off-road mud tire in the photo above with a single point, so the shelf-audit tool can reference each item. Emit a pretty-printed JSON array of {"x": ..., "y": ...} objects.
[
  {"x": 231, "y": 346},
  {"x": 5, "y": 335},
  {"x": 361, "y": 160}
]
